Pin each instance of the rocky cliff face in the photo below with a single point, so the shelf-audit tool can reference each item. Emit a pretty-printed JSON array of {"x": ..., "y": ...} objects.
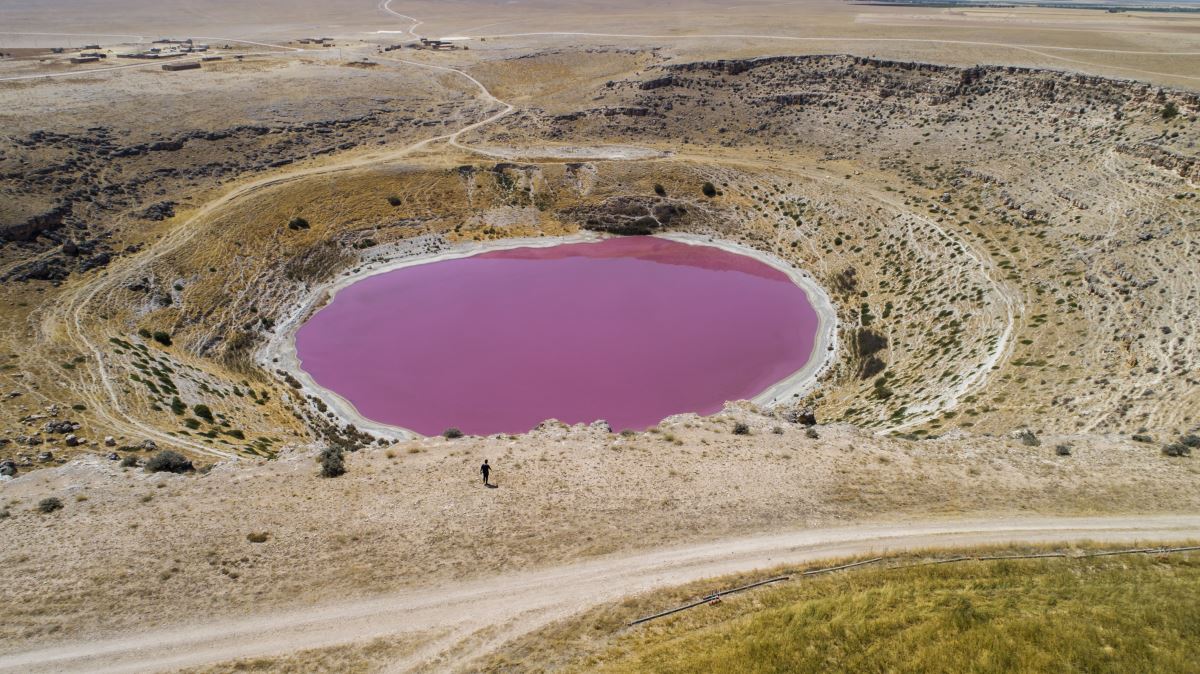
[
  {"x": 63, "y": 187},
  {"x": 24, "y": 227},
  {"x": 848, "y": 103}
]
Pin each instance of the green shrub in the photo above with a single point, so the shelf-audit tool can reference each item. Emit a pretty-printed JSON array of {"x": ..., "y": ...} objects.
[
  {"x": 660, "y": 190},
  {"x": 168, "y": 461},
  {"x": 49, "y": 505},
  {"x": 333, "y": 464},
  {"x": 709, "y": 190},
  {"x": 201, "y": 410},
  {"x": 741, "y": 429},
  {"x": 143, "y": 333},
  {"x": 297, "y": 223},
  {"x": 452, "y": 433},
  {"x": 1177, "y": 449},
  {"x": 130, "y": 461},
  {"x": 395, "y": 200},
  {"x": 177, "y": 406},
  {"x": 1169, "y": 111},
  {"x": 162, "y": 338}
]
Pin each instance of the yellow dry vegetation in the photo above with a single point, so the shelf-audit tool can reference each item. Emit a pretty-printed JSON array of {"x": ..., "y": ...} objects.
[{"x": 1134, "y": 613}]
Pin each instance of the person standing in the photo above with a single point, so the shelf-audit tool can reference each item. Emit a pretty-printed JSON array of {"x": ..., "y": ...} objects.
[{"x": 485, "y": 470}]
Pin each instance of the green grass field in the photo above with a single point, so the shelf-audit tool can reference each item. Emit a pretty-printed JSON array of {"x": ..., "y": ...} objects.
[{"x": 1134, "y": 613}]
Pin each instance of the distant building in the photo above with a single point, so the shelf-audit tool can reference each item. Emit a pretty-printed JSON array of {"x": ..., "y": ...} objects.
[
  {"x": 84, "y": 59},
  {"x": 437, "y": 45},
  {"x": 173, "y": 67},
  {"x": 156, "y": 53}
]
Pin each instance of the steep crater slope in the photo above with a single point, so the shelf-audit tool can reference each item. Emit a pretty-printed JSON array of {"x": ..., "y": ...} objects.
[
  {"x": 100, "y": 177},
  {"x": 1076, "y": 194},
  {"x": 224, "y": 301},
  {"x": 1006, "y": 248}
]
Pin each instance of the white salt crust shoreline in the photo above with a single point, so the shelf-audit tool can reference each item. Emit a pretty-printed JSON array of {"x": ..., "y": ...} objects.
[{"x": 280, "y": 350}]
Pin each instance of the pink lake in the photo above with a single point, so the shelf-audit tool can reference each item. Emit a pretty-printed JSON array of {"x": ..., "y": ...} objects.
[{"x": 629, "y": 330}]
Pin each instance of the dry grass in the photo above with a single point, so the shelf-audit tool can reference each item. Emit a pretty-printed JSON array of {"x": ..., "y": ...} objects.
[
  {"x": 1108, "y": 614},
  {"x": 358, "y": 658}
]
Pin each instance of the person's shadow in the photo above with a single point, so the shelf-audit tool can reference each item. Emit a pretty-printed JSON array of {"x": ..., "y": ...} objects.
[{"x": 492, "y": 486}]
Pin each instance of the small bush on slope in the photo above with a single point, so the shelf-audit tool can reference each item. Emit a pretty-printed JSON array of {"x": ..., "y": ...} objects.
[
  {"x": 333, "y": 463},
  {"x": 168, "y": 461}
]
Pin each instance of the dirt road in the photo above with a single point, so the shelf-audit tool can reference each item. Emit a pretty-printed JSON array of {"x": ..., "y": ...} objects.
[{"x": 511, "y": 605}]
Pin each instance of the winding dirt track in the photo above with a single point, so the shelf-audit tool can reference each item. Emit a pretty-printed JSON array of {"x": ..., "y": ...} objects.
[
  {"x": 475, "y": 617},
  {"x": 68, "y": 314}
]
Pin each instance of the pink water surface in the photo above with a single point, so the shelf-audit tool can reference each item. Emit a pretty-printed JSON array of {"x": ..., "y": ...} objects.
[{"x": 630, "y": 330}]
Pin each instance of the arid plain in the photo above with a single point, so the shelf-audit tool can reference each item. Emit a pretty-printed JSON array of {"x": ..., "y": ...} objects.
[{"x": 1001, "y": 204}]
